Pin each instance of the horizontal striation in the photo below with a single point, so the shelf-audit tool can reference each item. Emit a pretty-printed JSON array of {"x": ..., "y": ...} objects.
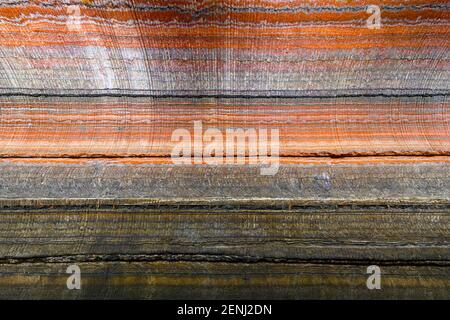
[
  {"x": 125, "y": 126},
  {"x": 405, "y": 234},
  {"x": 89, "y": 102},
  {"x": 193, "y": 280},
  {"x": 381, "y": 180},
  {"x": 224, "y": 48}
]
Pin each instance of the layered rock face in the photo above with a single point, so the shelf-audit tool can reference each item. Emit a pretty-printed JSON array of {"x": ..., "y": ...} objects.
[{"x": 96, "y": 94}]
